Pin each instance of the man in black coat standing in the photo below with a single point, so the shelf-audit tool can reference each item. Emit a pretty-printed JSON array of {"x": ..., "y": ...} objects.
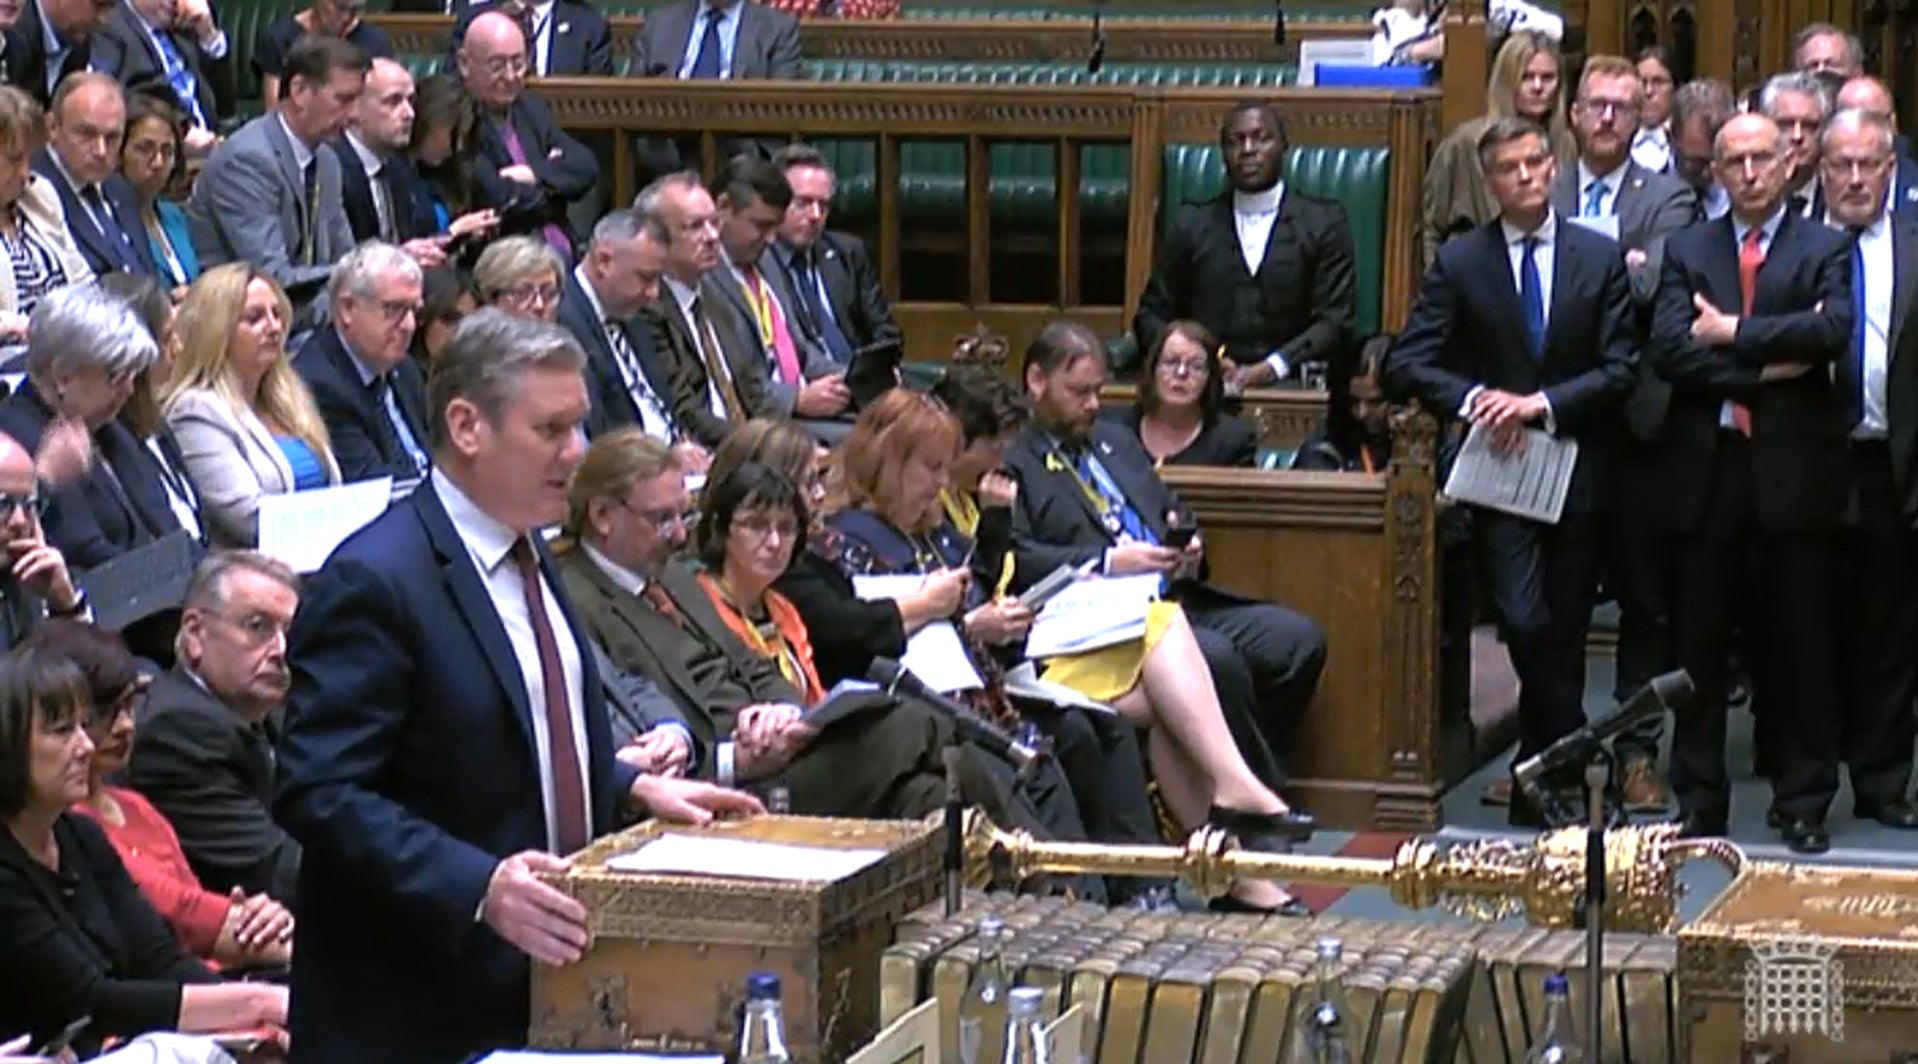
[
  {"x": 1263, "y": 267},
  {"x": 1525, "y": 323},
  {"x": 1752, "y": 310}
]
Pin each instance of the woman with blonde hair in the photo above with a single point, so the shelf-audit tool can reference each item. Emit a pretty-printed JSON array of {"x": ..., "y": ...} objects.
[
  {"x": 521, "y": 275},
  {"x": 33, "y": 226},
  {"x": 246, "y": 423},
  {"x": 1527, "y": 81}
]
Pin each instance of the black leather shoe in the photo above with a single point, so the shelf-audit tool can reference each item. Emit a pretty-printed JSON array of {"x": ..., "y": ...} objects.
[
  {"x": 1290, "y": 907},
  {"x": 1265, "y": 832},
  {"x": 1805, "y": 836},
  {"x": 1697, "y": 825},
  {"x": 1898, "y": 814}
]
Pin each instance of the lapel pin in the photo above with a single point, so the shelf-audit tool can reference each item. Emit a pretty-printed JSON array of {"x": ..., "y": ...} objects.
[
  {"x": 564, "y": 27},
  {"x": 1104, "y": 447}
]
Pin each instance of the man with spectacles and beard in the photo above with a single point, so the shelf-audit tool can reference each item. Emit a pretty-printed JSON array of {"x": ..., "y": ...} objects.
[
  {"x": 205, "y": 756},
  {"x": 36, "y": 582}
]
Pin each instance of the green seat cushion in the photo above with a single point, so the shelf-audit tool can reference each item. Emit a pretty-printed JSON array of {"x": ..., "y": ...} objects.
[{"x": 1359, "y": 179}]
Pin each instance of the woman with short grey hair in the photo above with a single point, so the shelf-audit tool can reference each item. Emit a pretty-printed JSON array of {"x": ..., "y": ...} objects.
[
  {"x": 84, "y": 351},
  {"x": 522, "y": 276}
]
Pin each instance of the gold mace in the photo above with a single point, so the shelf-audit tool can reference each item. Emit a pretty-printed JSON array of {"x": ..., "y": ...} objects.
[{"x": 1484, "y": 879}]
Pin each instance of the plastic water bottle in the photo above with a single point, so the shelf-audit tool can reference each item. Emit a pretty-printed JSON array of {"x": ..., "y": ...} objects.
[
  {"x": 762, "y": 1032},
  {"x": 982, "y": 1015},
  {"x": 1323, "y": 1032},
  {"x": 1025, "y": 1031},
  {"x": 1557, "y": 1043}
]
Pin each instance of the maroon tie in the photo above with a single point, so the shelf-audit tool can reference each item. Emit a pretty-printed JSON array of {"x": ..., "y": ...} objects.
[{"x": 569, "y": 790}]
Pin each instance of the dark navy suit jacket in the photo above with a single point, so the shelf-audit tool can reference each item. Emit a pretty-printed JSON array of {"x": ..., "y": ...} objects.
[
  {"x": 102, "y": 252},
  {"x": 101, "y": 515},
  {"x": 613, "y": 405},
  {"x": 407, "y": 771},
  {"x": 352, "y": 417}
]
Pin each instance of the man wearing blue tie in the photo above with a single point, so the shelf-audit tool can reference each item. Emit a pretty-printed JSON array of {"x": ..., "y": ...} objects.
[
  {"x": 167, "y": 46},
  {"x": 1526, "y": 323},
  {"x": 82, "y": 158},
  {"x": 1877, "y": 557}
]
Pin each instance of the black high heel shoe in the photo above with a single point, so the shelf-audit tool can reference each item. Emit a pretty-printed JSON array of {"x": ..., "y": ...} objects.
[{"x": 1265, "y": 832}]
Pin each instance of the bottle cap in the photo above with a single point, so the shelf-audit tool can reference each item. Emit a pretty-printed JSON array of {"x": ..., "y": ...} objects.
[
  {"x": 1025, "y": 1000},
  {"x": 1556, "y": 983},
  {"x": 1330, "y": 948},
  {"x": 762, "y": 986}
]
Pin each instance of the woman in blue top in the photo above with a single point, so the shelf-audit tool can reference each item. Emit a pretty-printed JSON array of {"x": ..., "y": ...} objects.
[
  {"x": 150, "y": 159},
  {"x": 247, "y": 424}
]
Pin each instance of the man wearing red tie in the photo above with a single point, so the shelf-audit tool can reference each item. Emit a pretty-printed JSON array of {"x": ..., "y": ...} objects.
[
  {"x": 1752, "y": 309},
  {"x": 447, "y": 734}
]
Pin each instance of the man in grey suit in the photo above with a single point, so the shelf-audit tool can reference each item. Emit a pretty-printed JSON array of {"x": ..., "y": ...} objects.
[
  {"x": 270, "y": 195},
  {"x": 806, "y": 382},
  {"x": 732, "y": 39},
  {"x": 1610, "y": 191}
]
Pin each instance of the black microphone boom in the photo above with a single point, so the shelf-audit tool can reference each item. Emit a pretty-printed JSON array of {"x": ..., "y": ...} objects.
[
  {"x": 1098, "y": 59},
  {"x": 897, "y": 679},
  {"x": 1278, "y": 22},
  {"x": 1672, "y": 691}
]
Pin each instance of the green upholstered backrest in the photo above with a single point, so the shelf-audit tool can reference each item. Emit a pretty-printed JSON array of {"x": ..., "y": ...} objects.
[{"x": 1359, "y": 179}]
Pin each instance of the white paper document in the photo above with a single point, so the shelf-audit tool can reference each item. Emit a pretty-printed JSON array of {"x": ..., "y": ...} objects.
[
  {"x": 705, "y": 855},
  {"x": 1530, "y": 484},
  {"x": 1093, "y": 613},
  {"x": 934, "y": 653},
  {"x": 1604, "y": 225},
  {"x": 302, "y": 527},
  {"x": 1023, "y": 681}
]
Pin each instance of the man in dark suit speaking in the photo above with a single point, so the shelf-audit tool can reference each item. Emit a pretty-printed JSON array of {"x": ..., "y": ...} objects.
[
  {"x": 1526, "y": 322},
  {"x": 447, "y": 733},
  {"x": 1752, "y": 310},
  {"x": 1267, "y": 270}
]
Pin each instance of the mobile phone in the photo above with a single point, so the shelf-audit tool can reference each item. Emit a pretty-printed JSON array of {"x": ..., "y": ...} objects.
[
  {"x": 59, "y": 1043},
  {"x": 1178, "y": 537}
]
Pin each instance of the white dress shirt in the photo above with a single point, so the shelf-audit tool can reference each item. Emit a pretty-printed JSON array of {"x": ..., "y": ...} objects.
[
  {"x": 1875, "y": 245},
  {"x": 683, "y": 297},
  {"x": 1608, "y": 202},
  {"x": 653, "y": 417},
  {"x": 1253, "y": 216},
  {"x": 542, "y": 42},
  {"x": 487, "y": 543},
  {"x": 1652, "y": 148}
]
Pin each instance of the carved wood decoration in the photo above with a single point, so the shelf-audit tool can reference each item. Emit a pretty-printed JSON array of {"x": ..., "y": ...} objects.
[{"x": 1066, "y": 40}]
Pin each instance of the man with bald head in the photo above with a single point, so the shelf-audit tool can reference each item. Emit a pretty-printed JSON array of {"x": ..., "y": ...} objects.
[
  {"x": 1870, "y": 96},
  {"x": 1752, "y": 310},
  {"x": 35, "y": 581},
  {"x": 528, "y": 169},
  {"x": 379, "y": 186},
  {"x": 85, "y": 125}
]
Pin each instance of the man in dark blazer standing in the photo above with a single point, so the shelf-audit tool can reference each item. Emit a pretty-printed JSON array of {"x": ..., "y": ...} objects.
[
  {"x": 529, "y": 170},
  {"x": 1877, "y": 382},
  {"x": 82, "y": 160},
  {"x": 1608, "y": 190},
  {"x": 370, "y": 391},
  {"x": 1526, "y": 323},
  {"x": 1868, "y": 94},
  {"x": 206, "y": 759},
  {"x": 446, "y": 730},
  {"x": 1088, "y": 495},
  {"x": 51, "y": 39},
  {"x": 1752, "y": 309},
  {"x": 831, "y": 272},
  {"x": 1264, "y": 268}
]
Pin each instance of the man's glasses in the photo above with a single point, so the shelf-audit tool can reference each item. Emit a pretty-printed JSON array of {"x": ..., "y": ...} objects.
[
  {"x": 257, "y": 628},
  {"x": 32, "y": 502}
]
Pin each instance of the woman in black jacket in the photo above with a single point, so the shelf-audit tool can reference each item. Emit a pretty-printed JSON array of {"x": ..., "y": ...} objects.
[{"x": 1180, "y": 416}]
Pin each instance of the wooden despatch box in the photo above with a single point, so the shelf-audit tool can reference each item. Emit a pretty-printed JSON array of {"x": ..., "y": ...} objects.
[
  {"x": 669, "y": 957},
  {"x": 1803, "y": 964}
]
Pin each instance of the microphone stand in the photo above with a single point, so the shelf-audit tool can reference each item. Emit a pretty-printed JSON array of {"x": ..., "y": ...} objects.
[
  {"x": 955, "y": 863},
  {"x": 1597, "y": 772}
]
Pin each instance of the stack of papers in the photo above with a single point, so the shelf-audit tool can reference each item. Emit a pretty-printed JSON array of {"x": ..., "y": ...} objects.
[
  {"x": 1094, "y": 613},
  {"x": 934, "y": 653},
  {"x": 1530, "y": 484},
  {"x": 704, "y": 855},
  {"x": 301, "y": 528}
]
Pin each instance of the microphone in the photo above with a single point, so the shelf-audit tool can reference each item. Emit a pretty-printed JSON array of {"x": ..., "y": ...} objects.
[
  {"x": 896, "y": 678},
  {"x": 1671, "y": 691},
  {"x": 1098, "y": 59},
  {"x": 1278, "y": 22}
]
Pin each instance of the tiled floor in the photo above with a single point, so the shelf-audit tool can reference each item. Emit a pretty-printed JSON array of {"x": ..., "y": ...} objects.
[{"x": 1853, "y": 841}]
